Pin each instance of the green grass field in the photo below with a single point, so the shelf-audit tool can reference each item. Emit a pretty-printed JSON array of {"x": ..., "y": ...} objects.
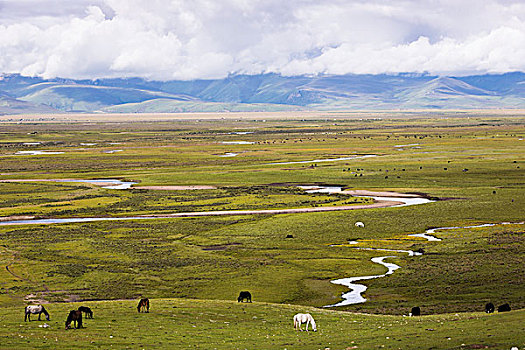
[
  {"x": 205, "y": 324},
  {"x": 472, "y": 164}
]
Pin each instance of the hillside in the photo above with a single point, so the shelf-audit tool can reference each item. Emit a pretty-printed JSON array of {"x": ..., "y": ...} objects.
[
  {"x": 207, "y": 324},
  {"x": 264, "y": 92}
]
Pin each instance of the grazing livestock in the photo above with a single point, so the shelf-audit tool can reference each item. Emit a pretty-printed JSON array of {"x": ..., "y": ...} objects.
[
  {"x": 489, "y": 308},
  {"x": 244, "y": 295},
  {"x": 35, "y": 309},
  {"x": 304, "y": 318},
  {"x": 416, "y": 311},
  {"x": 87, "y": 311},
  {"x": 359, "y": 224},
  {"x": 503, "y": 308},
  {"x": 74, "y": 316},
  {"x": 143, "y": 305}
]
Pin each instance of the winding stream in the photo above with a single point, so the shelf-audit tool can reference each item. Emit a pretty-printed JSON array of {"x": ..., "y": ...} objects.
[
  {"x": 356, "y": 290},
  {"x": 118, "y": 184}
]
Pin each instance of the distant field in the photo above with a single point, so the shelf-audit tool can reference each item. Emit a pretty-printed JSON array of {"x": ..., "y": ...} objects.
[
  {"x": 249, "y": 116},
  {"x": 471, "y": 162}
]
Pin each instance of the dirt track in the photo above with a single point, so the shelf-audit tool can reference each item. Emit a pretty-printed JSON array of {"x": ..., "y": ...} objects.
[{"x": 378, "y": 204}]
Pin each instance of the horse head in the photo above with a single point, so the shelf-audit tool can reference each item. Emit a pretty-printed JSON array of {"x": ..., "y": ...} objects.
[{"x": 45, "y": 313}]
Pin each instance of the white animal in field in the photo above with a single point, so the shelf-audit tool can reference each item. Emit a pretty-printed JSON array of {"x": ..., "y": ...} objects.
[
  {"x": 359, "y": 224},
  {"x": 304, "y": 318},
  {"x": 35, "y": 309}
]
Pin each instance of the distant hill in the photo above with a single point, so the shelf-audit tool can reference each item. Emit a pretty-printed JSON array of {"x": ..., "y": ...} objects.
[
  {"x": 10, "y": 105},
  {"x": 264, "y": 92}
]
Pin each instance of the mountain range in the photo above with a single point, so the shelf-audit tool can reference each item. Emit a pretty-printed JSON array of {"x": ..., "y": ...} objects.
[{"x": 264, "y": 92}]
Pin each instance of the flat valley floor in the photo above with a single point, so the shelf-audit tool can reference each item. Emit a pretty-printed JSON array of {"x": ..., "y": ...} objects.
[{"x": 468, "y": 165}]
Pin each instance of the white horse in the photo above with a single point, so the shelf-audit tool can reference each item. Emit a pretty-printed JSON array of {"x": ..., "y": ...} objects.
[
  {"x": 35, "y": 309},
  {"x": 304, "y": 318}
]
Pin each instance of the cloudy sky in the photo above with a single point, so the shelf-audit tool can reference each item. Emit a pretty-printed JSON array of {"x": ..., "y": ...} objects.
[{"x": 188, "y": 39}]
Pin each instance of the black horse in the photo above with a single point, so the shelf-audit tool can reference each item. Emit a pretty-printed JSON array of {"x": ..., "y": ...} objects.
[
  {"x": 74, "y": 316},
  {"x": 489, "y": 308},
  {"x": 504, "y": 308},
  {"x": 35, "y": 309},
  {"x": 87, "y": 311},
  {"x": 416, "y": 311},
  {"x": 244, "y": 295},
  {"x": 143, "y": 305}
]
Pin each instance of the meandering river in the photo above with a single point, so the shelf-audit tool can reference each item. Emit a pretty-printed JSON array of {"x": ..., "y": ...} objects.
[
  {"x": 354, "y": 296},
  {"x": 118, "y": 184}
]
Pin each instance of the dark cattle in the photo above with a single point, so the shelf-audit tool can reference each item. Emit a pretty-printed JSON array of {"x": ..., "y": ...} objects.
[
  {"x": 74, "y": 316},
  {"x": 416, "y": 311},
  {"x": 503, "y": 308},
  {"x": 143, "y": 305},
  {"x": 489, "y": 308},
  {"x": 87, "y": 311},
  {"x": 289, "y": 236},
  {"x": 244, "y": 295}
]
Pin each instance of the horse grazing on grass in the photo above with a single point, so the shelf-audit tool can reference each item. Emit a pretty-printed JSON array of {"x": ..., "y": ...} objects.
[
  {"x": 416, "y": 311},
  {"x": 489, "y": 308},
  {"x": 504, "y": 308},
  {"x": 304, "y": 318},
  {"x": 87, "y": 311},
  {"x": 143, "y": 305},
  {"x": 74, "y": 316},
  {"x": 244, "y": 295},
  {"x": 35, "y": 309}
]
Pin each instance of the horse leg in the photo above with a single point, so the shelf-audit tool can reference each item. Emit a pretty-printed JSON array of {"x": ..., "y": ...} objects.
[
  {"x": 39, "y": 314},
  {"x": 25, "y": 318},
  {"x": 307, "y": 323}
]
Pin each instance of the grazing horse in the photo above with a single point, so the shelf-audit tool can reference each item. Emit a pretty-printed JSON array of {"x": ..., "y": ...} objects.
[
  {"x": 304, "y": 318},
  {"x": 244, "y": 295},
  {"x": 87, "y": 311},
  {"x": 35, "y": 309},
  {"x": 416, "y": 311},
  {"x": 503, "y": 308},
  {"x": 489, "y": 308},
  {"x": 74, "y": 316},
  {"x": 143, "y": 305}
]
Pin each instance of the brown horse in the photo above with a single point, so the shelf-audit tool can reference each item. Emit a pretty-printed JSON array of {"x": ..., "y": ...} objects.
[
  {"x": 143, "y": 305},
  {"x": 87, "y": 311},
  {"x": 74, "y": 316}
]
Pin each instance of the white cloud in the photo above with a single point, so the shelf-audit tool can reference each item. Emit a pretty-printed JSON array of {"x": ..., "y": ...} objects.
[{"x": 186, "y": 39}]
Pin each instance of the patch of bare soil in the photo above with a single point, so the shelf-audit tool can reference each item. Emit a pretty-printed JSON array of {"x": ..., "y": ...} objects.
[
  {"x": 378, "y": 204},
  {"x": 174, "y": 188},
  {"x": 15, "y": 217},
  {"x": 379, "y": 194}
]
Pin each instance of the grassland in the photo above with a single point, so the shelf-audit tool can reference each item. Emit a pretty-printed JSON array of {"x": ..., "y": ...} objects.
[
  {"x": 205, "y": 324},
  {"x": 473, "y": 163}
]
